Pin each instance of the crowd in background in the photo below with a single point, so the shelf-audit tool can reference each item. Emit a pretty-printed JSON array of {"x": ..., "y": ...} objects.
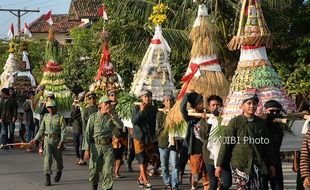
[{"x": 218, "y": 163}]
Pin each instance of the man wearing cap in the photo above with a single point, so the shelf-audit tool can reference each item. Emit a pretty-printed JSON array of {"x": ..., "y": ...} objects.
[
  {"x": 91, "y": 108},
  {"x": 144, "y": 126},
  {"x": 118, "y": 143},
  {"x": 97, "y": 143},
  {"x": 53, "y": 130},
  {"x": 246, "y": 145},
  {"x": 273, "y": 108}
]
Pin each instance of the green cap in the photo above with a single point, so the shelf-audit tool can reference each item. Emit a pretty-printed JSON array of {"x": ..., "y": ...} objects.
[
  {"x": 104, "y": 99},
  {"x": 50, "y": 103}
]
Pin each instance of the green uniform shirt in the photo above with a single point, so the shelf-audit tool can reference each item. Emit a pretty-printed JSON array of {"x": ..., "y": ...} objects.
[
  {"x": 86, "y": 112},
  {"x": 52, "y": 125},
  {"x": 242, "y": 153},
  {"x": 101, "y": 127},
  {"x": 162, "y": 133}
]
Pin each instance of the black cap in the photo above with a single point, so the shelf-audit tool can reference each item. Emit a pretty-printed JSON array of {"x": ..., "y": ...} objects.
[
  {"x": 194, "y": 98},
  {"x": 5, "y": 91},
  {"x": 274, "y": 104}
]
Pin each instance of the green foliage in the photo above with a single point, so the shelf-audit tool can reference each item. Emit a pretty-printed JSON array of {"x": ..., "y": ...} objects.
[
  {"x": 82, "y": 58},
  {"x": 125, "y": 105},
  {"x": 292, "y": 58}
]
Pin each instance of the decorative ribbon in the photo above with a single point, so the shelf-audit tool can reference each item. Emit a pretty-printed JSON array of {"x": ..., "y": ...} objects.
[
  {"x": 156, "y": 41},
  {"x": 251, "y": 47},
  {"x": 52, "y": 66},
  {"x": 194, "y": 68},
  {"x": 105, "y": 59}
]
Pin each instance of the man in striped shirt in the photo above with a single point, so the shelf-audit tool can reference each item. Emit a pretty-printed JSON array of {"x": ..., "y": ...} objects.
[{"x": 305, "y": 160}]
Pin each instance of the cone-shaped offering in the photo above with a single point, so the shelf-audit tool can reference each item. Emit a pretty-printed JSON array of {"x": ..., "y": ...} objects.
[
  {"x": 24, "y": 79},
  {"x": 254, "y": 71},
  {"x": 204, "y": 74},
  {"x": 155, "y": 72},
  {"x": 53, "y": 79},
  {"x": 10, "y": 69},
  {"x": 107, "y": 79}
]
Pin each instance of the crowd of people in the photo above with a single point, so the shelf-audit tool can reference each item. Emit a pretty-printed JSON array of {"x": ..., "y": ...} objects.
[{"x": 247, "y": 153}]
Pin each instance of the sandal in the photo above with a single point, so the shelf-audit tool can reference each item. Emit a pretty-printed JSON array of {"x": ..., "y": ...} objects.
[
  {"x": 77, "y": 161},
  {"x": 140, "y": 183},
  {"x": 147, "y": 186}
]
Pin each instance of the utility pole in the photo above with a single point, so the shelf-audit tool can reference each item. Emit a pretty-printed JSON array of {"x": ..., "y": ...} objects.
[{"x": 19, "y": 13}]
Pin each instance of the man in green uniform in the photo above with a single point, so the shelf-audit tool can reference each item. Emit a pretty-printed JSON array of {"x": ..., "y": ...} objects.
[
  {"x": 97, "y": 143},
  {"x": 53, "y": 129},
  {"x": 91, "y": 108}
]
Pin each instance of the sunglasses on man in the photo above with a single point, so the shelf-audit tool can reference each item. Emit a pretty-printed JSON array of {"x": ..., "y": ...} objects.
[
  {"x": 92, "y": 98},
  {"x": 275, "y": 111}
]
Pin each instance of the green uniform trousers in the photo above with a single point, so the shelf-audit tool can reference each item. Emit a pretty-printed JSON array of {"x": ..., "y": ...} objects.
[
  {"x": 101, "y": 160},
  {"x": 51, "y": 151}
]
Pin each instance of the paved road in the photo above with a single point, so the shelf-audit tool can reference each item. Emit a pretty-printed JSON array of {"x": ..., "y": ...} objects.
[{"x": 20, "y": 170}]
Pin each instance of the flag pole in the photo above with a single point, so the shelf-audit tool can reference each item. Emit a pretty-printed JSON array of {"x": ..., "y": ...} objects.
[{"x": 103, "y": 7}]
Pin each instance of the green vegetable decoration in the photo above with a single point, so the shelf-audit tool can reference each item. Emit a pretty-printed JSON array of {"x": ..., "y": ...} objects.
[
  {"x": 53, "y": 79},
  {"x": 125, "y": 105}
]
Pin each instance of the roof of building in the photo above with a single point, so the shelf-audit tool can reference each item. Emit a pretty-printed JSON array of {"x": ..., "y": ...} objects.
[
  {"x": 80, "y": 9},
  {"x": 61, "y": 24}
]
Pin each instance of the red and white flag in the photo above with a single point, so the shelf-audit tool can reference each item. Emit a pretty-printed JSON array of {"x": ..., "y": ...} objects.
[
  {"x": 48, "y": 17},
  {"x": 11, "y": 32},
  {"x": 102, "y": 12},
  {"x": 27, "y": 31}
]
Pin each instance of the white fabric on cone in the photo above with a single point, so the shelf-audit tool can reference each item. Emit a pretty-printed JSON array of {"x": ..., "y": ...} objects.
[
  {"x": 202, "y": 11},
  {"x": 25, "y": 58},
  {"x": 29, "y": 75},
  {"x": 253, "y": 54},
  {"x": 159, "y": 35},
  {"x": 200, "y": 60}
]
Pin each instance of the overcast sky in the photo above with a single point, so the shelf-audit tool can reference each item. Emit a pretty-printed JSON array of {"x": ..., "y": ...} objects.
[{"x": 6, "y": 18}]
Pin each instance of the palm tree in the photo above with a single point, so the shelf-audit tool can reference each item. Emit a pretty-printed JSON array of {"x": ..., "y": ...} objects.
[{"x": 131, "y": 32}]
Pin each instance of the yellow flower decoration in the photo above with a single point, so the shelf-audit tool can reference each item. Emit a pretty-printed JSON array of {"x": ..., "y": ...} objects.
[{"x": 158, "y": 17}]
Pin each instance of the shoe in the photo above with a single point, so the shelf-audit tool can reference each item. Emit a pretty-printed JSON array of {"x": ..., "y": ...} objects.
[
  {"x": 168, "y": 187},
  {"x": 118, "y": 176},
  {"x": 140, "y": 183},
  {"x": 147, "y": 186},
  {"x": 2, "y": 146},
  {"x": 84, "y": 163},
  {"x": 48, "y": 180},
  {"x": 130, "y": 169},
  {"x": 57, "y": 177},
  {"x": 94, "y": 187}
]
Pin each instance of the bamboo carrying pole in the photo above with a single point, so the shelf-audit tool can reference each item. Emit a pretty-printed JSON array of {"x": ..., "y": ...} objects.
[{"x": 208, "y": 115}]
